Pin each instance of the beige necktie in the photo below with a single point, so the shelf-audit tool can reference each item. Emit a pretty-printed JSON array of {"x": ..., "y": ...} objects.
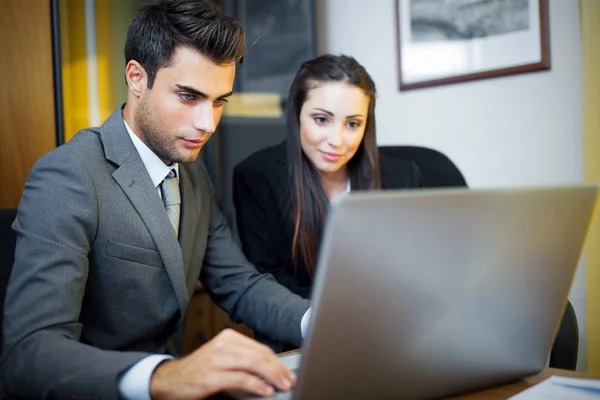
[{"x": 169, "y": 189}]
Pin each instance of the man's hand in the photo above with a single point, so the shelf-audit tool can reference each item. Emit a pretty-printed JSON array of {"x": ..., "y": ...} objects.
[{"x": 230, "y": 361}]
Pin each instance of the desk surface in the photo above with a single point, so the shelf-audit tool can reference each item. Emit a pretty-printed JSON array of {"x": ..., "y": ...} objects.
[{"x": 505, "y": 391}]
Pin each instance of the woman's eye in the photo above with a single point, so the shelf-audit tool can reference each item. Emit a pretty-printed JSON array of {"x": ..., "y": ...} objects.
[{"x": 320, "y": 120}]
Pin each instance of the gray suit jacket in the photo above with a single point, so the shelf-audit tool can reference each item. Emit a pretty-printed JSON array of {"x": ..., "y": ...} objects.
[{"x": 100, "y": 279}]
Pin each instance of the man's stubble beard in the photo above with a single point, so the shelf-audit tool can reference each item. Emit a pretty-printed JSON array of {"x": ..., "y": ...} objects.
[{"x": 159, "y": 140}]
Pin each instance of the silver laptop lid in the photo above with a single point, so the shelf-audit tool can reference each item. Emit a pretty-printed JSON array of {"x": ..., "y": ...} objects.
[{"x": 421, "y": 294}]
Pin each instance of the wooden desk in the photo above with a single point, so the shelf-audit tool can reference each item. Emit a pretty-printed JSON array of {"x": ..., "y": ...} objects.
[{"x": 505, "y": 391}]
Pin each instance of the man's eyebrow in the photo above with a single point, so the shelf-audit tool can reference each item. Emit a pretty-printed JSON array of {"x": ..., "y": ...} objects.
[
  {"x": 199, "y": 93},
  {"x": 225, "y": 95}
]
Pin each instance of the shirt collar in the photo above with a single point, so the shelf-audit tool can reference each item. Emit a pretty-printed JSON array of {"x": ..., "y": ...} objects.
[{"x": 157, "y": 169}]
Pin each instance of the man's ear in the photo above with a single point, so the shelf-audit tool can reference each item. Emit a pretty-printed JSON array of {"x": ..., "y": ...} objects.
[{"x": 136, "y": 77}]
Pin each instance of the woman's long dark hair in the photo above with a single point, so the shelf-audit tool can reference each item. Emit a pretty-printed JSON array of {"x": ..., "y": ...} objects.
[{"x": 308, "y": 202}]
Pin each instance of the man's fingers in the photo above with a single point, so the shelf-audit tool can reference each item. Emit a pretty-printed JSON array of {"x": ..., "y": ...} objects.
[
  {"x": 232, "y": 342},
  {"x": 230, "y": 336},
  {"x": 273, "y": 371},
  {"x": 242, "y": 381}
]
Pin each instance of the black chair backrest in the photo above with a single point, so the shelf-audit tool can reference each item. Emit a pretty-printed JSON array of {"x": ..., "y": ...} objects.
[
  {"x": 437, "y": 169},
  {"x": 566, "y": 345},
  {"x": 8, "y": 240}
]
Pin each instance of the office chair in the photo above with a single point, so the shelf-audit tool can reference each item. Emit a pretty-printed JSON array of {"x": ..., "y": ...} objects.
[
  {"x": 566, "y": 345},
  {"x": 439, "y": 171},
  {"x": 8, "y": 240}
]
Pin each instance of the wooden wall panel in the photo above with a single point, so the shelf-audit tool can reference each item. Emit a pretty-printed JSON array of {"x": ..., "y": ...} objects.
[
  {"x": 27, "y": 122},
  {"x": 204, "y": 320}
]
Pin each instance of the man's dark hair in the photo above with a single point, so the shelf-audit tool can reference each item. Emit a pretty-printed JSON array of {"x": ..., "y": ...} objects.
[{"x": 159, "y": 28}]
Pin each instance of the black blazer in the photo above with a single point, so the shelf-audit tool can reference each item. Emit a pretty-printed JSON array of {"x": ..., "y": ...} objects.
[{"x": 265, "y": 227}]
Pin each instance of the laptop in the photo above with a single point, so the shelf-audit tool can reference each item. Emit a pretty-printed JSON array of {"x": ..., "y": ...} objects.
[{"x": 421, "y": 294}]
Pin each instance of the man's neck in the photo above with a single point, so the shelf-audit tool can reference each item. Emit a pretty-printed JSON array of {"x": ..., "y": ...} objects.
[{"x": 128, "y": 116}]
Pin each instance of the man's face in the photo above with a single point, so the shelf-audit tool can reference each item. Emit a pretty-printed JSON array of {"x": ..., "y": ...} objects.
[{"x": 180, "y": 112}]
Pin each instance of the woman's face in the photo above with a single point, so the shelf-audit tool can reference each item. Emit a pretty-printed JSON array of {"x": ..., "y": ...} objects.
[{"x": 332, "y": 125}]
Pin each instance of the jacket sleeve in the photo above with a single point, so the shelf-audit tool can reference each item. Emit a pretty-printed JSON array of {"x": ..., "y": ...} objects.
[{"x": 245, "y": 293}]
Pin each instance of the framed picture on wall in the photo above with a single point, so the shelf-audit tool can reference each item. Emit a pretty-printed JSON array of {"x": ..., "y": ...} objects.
[{"x": 449, "y": 41}]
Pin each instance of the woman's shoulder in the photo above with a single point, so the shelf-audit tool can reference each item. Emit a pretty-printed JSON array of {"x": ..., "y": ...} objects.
[
  {"x": 265, "y": 160},
  {"x": 263, "y": 170}
]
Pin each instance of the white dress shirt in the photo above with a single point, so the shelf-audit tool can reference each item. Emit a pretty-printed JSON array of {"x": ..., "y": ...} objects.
[
  {"x": 135, "y": 382},
  {"x": 157, "y": 169}
]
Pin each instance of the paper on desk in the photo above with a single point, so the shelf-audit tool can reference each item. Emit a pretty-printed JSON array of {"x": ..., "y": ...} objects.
[{"x": 562, "y": 388}]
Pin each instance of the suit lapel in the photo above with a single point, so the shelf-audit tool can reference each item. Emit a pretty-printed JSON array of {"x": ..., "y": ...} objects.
[
  {"x": 190, "y": 212},
  {"x": 135, "y": 181}
]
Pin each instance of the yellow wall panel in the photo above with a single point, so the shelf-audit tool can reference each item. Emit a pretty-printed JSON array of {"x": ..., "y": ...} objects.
[
  {"x": 104, "y": 57},
  {"x": 590, "y": 35},
  {"x": 74, "y": 66}
]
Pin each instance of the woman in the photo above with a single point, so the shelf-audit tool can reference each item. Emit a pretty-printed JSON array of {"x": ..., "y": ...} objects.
[{"x": 281, "y": 193}]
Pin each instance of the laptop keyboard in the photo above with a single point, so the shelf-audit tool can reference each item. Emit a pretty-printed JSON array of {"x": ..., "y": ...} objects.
[
  {"x": 289, "y": 395},
  {"x": 292, "y": 361},
  {"x": 283, "y": 395}
]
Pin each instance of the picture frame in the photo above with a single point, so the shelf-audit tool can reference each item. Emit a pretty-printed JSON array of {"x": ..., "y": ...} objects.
[{"x": 450, "y": 41}]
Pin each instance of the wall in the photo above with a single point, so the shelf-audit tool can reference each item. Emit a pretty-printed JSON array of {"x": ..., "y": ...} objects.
[
  {"x": 519, "y": 130},
  {"x": 27, "y": 124},
  {"x": 590, "y": 32},
  {"x": 93, "y": 67}
]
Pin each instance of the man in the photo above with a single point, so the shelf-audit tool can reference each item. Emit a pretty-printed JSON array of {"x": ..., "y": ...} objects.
[{"x": 115, "y": 227}]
